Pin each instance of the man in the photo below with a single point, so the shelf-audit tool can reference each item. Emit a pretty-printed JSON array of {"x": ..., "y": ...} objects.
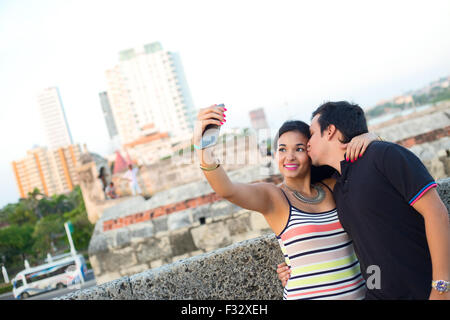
[
  {"x": 111, "y": 191},
  {"x": 388, "y": 204},
  {"x": 131, "y": 176}
]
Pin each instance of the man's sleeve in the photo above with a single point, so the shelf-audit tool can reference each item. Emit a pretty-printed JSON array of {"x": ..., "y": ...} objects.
[{"x": 405, "y": 172}]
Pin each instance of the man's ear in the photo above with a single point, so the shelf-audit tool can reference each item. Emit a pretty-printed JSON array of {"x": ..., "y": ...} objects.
[
  {"x": 331, "y": 132},
  {"x": 334, "y": 133}
]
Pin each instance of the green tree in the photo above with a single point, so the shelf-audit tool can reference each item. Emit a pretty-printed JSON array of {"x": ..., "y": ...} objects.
[
  {"x": 16, "y": 241},
  {"x": 47, "y": 231},
  {"x": 20, "y": 213}
]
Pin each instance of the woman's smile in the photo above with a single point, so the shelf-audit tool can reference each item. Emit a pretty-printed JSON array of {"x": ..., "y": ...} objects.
[{"x": 291, "y": 166}]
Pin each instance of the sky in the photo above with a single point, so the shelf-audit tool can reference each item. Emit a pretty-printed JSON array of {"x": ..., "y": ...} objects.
[{"x": 285, "y": 56}]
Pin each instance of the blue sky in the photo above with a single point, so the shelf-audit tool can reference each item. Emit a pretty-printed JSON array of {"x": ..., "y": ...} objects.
[{"x": 248, "y": 54}]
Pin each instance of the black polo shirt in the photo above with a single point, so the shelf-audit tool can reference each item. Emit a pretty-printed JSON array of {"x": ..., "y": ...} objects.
[{"x": 374, "y": 198}]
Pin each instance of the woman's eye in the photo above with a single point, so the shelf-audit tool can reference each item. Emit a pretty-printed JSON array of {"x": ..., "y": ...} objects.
[
  {"x": 300, "y": 149},
  {"x": 281, "y": 149}
]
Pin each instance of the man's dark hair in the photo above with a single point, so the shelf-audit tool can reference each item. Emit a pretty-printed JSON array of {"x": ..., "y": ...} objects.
[
  {"x": 348, "y": 118},
  {"x": 317, "y": 173}
]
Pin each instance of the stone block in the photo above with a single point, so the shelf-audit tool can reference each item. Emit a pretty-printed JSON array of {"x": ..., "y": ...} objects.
[
  {"x": 123, "y": 238},
  {"x": 156, "y": 263},
  {"x": 107, "y": 277},
  {"x": 257, "y": 221},
  {"x": 153, "y": 248},
  {"x": 129, "y": 271},
  {"x": 160, "y": 224},
  {"x": 238, "y": 225},
  {"x": 97, "y": 244},
  {"x": 248, "y": 235},
  {"x": 195, "y": 253},
  {"x": 179, "y": 220},
  {"x": 211, "y": 236},
  {"x": 113, "y": 261},
  {"x": 180, "y": 257},
  {"x": 181, "y": 242},
  {"x": 436, "y": 168},
  {"x": 95, "y": 264},
  {"x": 142, "y": 231},
  {"x": 446, "y": 162}
]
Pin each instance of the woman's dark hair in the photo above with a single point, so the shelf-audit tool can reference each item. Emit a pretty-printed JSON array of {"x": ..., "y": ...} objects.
[
  {"x": 102, "y": 172},
  {"x": 317, "y": 173},
  {"x": 348, "y": 118}
]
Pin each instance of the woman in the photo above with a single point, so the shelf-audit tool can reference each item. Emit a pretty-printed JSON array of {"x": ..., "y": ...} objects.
[
  {"x": 102, "y": 176},
  {"x": 300, "y": 211}
]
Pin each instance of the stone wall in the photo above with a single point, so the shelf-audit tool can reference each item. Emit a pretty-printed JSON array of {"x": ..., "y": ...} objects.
[
  {"x": 140, "y": 234},
  {"x": 242, "y": 271},
  {"x": 426, "y": 134}
]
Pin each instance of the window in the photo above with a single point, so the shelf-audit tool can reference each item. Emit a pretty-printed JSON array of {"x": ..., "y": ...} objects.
[{"x": 18, "y": 283}]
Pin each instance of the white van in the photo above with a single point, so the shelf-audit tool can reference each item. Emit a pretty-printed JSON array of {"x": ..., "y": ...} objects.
[{"x": 49, "y": 276}]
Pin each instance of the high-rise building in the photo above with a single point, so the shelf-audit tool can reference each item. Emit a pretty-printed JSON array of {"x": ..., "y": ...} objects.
[
  {"x": 258, "y": 119},
  {"x": 149, "y": 95},
  {"x": 53, "y": 118},
  {"x": 108, "y": 115},
  {"x": 51, "y": 171}
]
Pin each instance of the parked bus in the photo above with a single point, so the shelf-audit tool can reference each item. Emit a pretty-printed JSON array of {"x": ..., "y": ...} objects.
[{"x": 54, "y": 275}]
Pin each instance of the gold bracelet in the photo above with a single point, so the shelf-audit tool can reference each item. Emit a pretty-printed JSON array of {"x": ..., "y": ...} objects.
[{"x": 211, "y": 168}]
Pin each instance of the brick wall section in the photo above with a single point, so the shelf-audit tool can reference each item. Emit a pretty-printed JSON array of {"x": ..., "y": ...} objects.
[
  {"x": 171, "y": 208},
  {"x": 425, "y": 137}
]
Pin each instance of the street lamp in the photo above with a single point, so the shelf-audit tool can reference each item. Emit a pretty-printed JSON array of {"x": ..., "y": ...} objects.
[{"x": 69, "y": 229}]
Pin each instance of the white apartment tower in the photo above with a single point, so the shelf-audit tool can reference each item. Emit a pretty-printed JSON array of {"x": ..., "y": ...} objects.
[
  {"x": 149, "y": 94},
  {"x": 53, "y": 118}
]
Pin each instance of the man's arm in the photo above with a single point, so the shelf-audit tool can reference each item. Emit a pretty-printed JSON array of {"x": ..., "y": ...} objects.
[{"x": 437, "y": 227}]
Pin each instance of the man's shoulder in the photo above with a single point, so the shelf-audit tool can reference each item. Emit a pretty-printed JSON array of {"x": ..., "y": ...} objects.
[
  {"x": 378, "y": 149},
  {"x": 380, "y": 146}
]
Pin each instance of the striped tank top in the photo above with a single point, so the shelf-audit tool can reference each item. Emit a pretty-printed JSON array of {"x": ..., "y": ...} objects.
[{"x": 321, "y": 257}]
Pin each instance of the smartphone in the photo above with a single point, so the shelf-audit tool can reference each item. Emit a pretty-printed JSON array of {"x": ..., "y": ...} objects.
[{"x": 211, "y": 134}]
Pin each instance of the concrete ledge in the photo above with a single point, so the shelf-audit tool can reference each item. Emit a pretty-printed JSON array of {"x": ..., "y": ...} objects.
[{"x": 245, "y": 270}]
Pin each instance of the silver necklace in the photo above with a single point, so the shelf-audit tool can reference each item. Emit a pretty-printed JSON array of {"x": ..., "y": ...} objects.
[{"x": 317, "y": 199}]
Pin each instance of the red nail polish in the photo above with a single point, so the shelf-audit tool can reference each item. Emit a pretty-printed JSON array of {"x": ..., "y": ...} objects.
[
  {"x": 346, "y": 159},
  {"x": 225, "y": 109},
  {"x": 221, "y": 123},
  {"x": 224, "y": 115}
]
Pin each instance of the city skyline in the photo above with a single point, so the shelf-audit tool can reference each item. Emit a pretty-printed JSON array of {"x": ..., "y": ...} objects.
[{"x": 245, "y": 55}]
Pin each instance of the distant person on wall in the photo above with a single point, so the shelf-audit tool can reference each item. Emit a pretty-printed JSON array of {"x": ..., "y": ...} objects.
[
  {"x": 102, "y": 176},
  {"x": 387, "y": 202},
  {"x": 111, "y": 191},
  {"x": 300, "y": 211},
  {"x": 131, "y": 177}
]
